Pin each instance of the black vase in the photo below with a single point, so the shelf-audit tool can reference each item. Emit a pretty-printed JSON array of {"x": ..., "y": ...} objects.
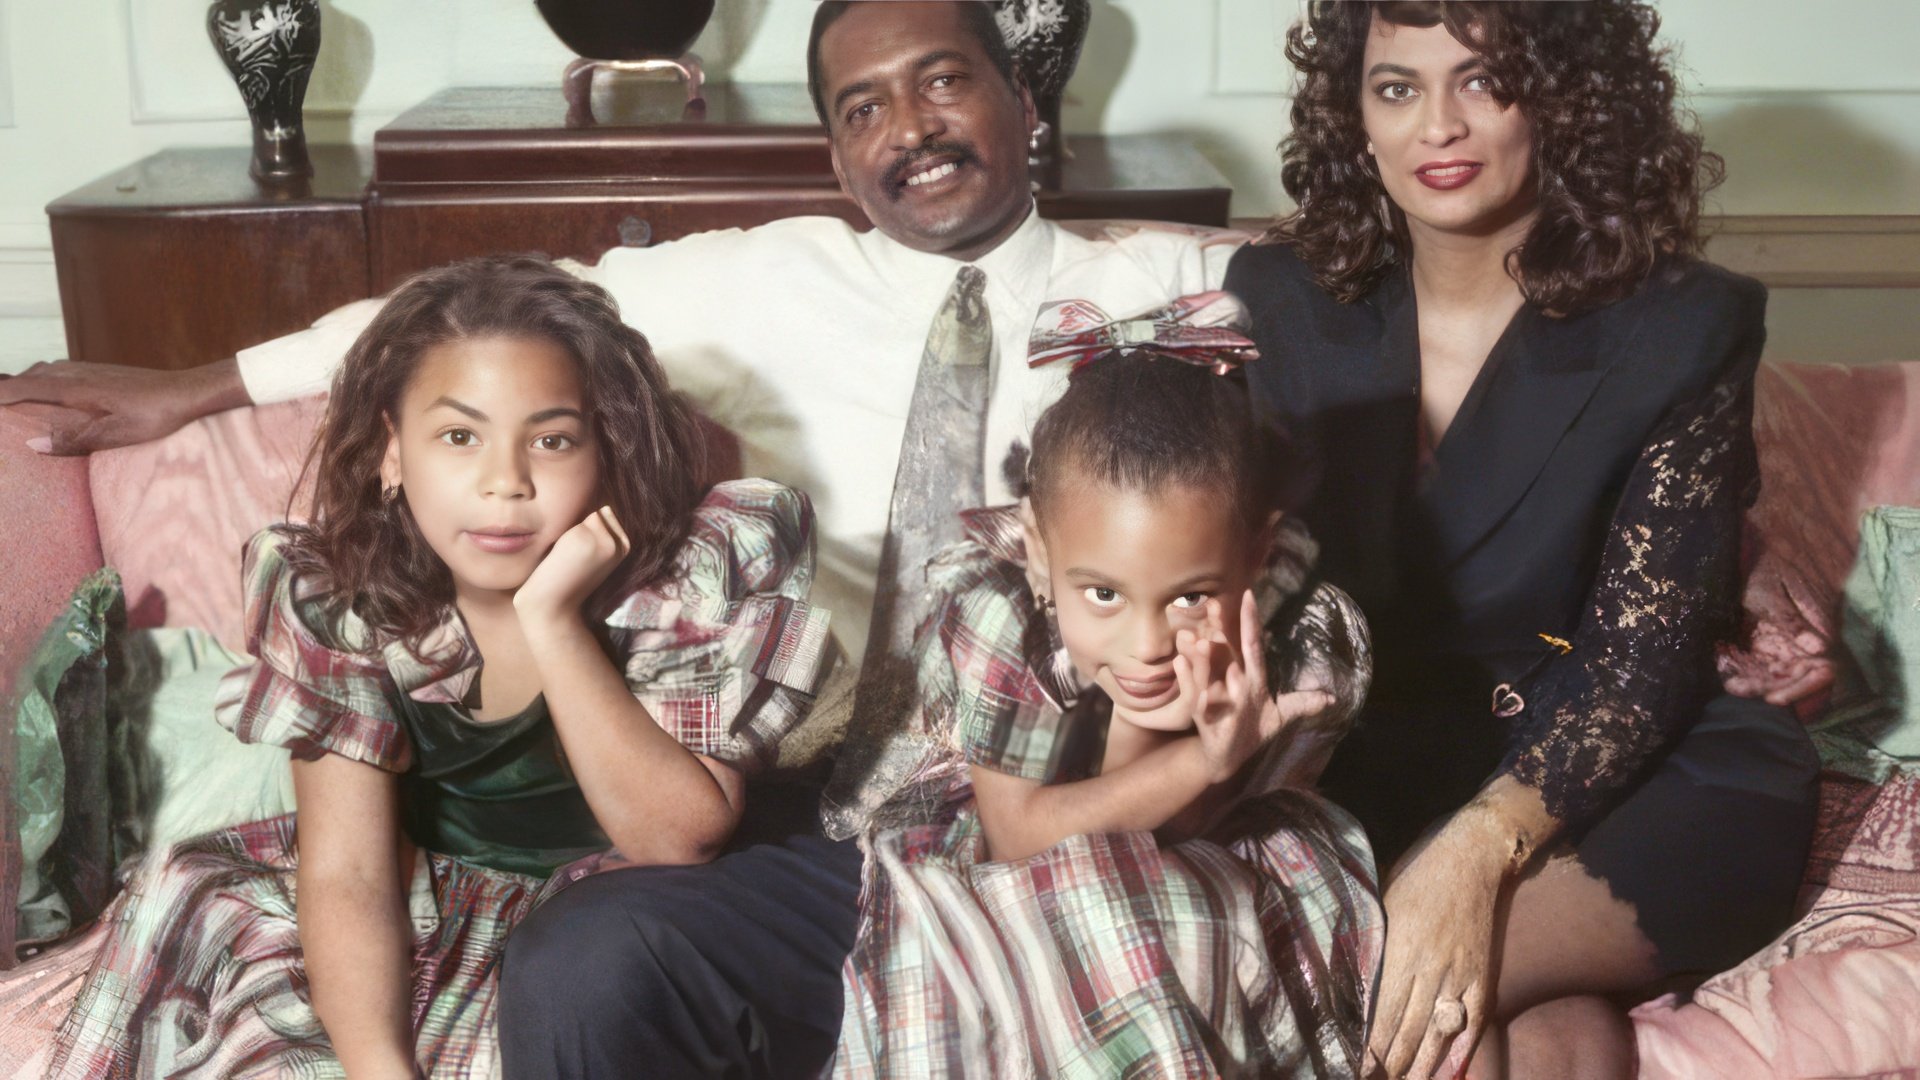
[
  {"x": 269, "y": 47},
  {"x": 627, "y": 29},
  {"x": 1045, "y": 37}
]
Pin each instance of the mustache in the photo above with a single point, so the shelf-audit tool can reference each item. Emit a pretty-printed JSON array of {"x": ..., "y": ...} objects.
[{"x": 911, "y": 161}]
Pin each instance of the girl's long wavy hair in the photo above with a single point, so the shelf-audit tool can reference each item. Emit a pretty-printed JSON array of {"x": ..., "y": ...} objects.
[
  {"x": 649, "y": 450},
  {"x": 1620, "y": 167}
]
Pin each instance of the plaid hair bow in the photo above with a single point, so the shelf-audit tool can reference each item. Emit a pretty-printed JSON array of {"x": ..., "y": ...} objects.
[{"x": 1206, "y": 329}]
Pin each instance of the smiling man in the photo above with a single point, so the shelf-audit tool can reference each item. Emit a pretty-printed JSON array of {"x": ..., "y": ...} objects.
[{"x": 807, "y": 339}]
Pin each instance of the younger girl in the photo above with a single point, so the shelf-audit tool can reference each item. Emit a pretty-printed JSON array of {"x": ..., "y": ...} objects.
[
  {"x": 513, "y": 633},
  {"x": 1118, "y": 877}
]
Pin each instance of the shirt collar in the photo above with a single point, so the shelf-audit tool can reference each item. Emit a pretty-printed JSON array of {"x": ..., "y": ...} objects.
[{"x": 1021, "y": 264}]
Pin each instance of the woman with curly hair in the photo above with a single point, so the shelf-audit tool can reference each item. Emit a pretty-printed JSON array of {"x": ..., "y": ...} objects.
[{"x": 1529, "y": 404}]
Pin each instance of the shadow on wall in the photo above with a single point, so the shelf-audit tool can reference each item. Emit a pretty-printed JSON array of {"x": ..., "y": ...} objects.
[
  {"x": 1810, "y": 158},
  {"x": 1103, "y": 64},
  {"x": 345, "y": 66},
  {"x": 737, "y": 21}
]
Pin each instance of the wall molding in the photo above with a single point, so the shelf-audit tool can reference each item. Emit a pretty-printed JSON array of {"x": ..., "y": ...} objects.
[
  {"x": 1826, "y": 252},
  {"x": 6, "y": 67},
  {"x": 163, "y": 90},
  {"x": 1803, "y": 252},
  {"x": 28, "y": 286},
  {"x": 1248, "y": 61}
]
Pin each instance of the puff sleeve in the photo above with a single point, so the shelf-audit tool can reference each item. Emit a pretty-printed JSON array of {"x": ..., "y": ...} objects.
[
  {"x": 725, "y": 652},
  {"x": 314, "y": 687}
]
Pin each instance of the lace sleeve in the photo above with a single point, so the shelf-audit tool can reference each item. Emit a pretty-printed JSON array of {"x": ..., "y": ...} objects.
[{"x": 1589, "y": 723}]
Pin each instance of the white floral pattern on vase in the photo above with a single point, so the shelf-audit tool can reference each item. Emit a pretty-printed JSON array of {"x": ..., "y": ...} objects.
[{"x": 269, "y": 47}]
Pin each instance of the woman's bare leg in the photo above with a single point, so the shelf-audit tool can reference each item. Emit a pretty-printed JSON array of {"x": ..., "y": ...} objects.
[{"x": 1568, "y": 945}]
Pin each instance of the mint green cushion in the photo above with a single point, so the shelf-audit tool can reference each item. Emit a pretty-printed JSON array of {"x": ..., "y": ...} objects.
[
  {"x": 1873, "y": 725},
  {"x": 196, "y": 777}
]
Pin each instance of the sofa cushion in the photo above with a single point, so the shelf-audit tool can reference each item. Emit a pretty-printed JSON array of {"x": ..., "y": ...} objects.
[
  {"x": 1834, "y": 440},
  {"x": 174, "y": 513}
]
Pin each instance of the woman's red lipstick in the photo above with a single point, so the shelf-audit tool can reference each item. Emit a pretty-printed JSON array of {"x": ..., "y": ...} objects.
[{"x": 1447, "y": 175}]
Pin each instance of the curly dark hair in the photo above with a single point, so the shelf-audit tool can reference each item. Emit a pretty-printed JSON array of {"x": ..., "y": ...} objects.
[
  {"x": 1620, "y": 168},
  {"x": 370, "y": 552}
]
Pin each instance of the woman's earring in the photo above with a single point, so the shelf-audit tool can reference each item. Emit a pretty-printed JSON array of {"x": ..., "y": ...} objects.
[
  {"x": 388, "y": 494},
  {"x": 1043, "y": 602},
  {"x": 1369, "y": 147}
]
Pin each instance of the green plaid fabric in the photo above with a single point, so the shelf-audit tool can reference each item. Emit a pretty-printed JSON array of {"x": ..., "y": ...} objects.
[{"x": 201, "y": 974}]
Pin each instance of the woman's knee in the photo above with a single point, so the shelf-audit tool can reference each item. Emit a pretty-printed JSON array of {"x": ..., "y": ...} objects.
[{"x": 1571, "y": 1038}]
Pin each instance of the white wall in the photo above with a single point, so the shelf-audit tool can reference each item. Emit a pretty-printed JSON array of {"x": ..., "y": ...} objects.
[{"x": 1816, "y": 106}]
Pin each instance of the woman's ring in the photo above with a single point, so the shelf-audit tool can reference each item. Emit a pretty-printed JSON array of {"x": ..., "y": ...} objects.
[{"x": 1450, "y": 1017}]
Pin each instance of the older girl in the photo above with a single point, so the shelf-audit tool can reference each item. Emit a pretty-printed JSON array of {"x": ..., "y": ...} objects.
[{"x": 515, "y": 631}]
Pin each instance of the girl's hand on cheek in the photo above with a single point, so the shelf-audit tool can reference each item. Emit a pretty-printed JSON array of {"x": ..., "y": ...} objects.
[
  {"x": 1227, "y": 687},
  {"x": 580, "y": 560}
]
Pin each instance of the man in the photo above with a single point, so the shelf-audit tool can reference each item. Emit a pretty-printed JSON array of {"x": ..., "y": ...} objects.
[{"x": 806, "y": 339}]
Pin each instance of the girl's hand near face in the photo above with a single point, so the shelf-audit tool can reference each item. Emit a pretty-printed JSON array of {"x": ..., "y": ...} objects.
[
  {"x": 1226, "y": 687},
  {"x": 580, "y": 560}
]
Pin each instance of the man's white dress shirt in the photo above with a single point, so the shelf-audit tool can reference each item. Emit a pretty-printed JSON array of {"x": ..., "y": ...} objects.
[{"x": 804, "y": 337}]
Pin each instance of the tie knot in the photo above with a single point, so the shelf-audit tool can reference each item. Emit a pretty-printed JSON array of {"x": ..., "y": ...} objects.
[{"x": 971, "y": 281}]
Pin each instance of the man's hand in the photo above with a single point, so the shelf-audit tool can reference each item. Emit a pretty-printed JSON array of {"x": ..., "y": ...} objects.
[
  {"x": 1232, "y": 712},
  {"x": 109, "y": 405}
]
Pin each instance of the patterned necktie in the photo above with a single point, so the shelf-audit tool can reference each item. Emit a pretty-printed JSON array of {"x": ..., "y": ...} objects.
[{"x": 941, "y": 472}]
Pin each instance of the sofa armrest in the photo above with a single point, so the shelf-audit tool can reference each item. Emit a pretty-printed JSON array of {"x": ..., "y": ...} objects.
[{"x": 48, "y": 543}]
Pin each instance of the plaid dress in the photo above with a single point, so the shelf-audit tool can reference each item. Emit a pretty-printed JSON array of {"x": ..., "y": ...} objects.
[
  {"x": 1250, "y": 952},
  {"x": 201, "y": 974}
]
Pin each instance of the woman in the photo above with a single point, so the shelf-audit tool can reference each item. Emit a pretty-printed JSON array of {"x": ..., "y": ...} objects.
[{"x": 1529, "y": 403}]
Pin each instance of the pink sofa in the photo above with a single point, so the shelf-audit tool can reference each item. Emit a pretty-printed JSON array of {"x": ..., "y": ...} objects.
[{"x": 1838, "y": 995}]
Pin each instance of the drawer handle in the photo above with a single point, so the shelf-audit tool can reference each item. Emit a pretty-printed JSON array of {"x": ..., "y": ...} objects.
[{"x": 635, "y": 232}]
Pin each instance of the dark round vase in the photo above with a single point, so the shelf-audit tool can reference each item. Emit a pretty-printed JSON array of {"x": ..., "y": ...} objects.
[
  {"x": 627, "y": 29},
  {"x": 269, "y": 47}
]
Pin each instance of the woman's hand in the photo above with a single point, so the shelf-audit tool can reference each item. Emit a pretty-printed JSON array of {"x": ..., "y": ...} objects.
[
  {"x": 1227, "y": 688},
  {"x": 1437, "y": 979},
  {"x": 580, "y": 560},
  {"x": 1778, "y": 669}
]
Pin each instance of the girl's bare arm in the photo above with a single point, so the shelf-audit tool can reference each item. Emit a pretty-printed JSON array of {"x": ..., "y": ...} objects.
[
  {"x": 656, "y": 800},
  {"x": 1024, "y": 817},
  {"x": 352, "y": 913}
]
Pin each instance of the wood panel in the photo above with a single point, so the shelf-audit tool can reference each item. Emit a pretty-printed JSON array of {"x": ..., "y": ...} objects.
[{"x": 181, "y": 259}]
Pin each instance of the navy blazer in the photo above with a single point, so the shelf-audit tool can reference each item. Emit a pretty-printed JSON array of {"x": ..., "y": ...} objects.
[{"x": 1461, "y": 568}]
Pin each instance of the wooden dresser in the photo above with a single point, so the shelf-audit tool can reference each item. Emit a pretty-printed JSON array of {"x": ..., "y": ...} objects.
[{"x": 181, "y": 259}]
